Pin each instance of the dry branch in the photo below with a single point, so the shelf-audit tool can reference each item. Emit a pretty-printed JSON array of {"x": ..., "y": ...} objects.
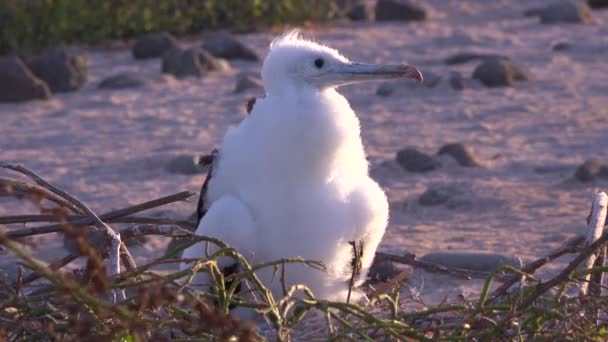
[
  {"x": 410, "y": 259},
  {"x": 109, "y": 216},
  {"x": 594, "y": 232}
]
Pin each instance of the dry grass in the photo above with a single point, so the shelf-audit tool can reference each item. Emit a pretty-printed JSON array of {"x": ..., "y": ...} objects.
[{"x": 111, "y": 298}]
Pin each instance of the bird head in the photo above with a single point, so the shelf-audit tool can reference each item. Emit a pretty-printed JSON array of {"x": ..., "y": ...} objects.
[{"x": 294, "y": 61}]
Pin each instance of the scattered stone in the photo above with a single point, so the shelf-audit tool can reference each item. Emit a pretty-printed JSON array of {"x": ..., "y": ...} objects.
[
  {"x": 388, "y": 88},
  {"x": 456, "y": 80},
  {"x": 452, "y": 195},
  {"x": 464, "y": 57},
  {"x": 598, "y": 3},
  {"x": 500, "y": 73},
  {"x": 590, "y": 170},
  {"x": 383, "y": 270},
  {"x": 246, "y": 81},
  {"x": 185, "y": 164},
  {"x": 122, "y": 81},
  {"x": 362, "y": 11},
  {"x": 96, "y": 237},
  {"x": 225, "y": 45},
  {"x": 464, "y": 155},
  {"x": 401, "y": 10},
  {"x": 18, "y": 83},
  {"x": 9, "y": 272},
  {"x": 183, "y": 63},
  {"x": 138, "y": 241},
  {"x": 154, "y": 45},
  {"x": 565, "y": 11},
  {"x": 63, "y": 70},
  {"x": 561, "y": 46},
  {"x": 413, "y": 160},
  {"x": 211, "y": 63},
  {"x": 474, "y": 261}
]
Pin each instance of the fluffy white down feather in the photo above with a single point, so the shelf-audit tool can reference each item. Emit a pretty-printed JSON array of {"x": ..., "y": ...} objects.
[{"x": 292, "y": 178}]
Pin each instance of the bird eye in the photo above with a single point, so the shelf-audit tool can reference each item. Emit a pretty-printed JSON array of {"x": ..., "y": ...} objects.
[{"x": 319, "y": 63}]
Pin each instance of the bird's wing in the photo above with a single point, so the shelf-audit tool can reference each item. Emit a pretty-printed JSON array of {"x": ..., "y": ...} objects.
[
  {"x": 211, "y": 161},
  {"x": 231, "y": 221},
  {"x": 370, "y": 211}
]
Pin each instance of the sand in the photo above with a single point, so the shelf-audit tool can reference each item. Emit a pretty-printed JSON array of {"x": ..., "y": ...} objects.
[{"x": 110, "y": 148}]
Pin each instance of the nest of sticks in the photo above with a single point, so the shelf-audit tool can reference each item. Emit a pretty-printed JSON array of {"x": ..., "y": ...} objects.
[{"x": 112, "y": 298}]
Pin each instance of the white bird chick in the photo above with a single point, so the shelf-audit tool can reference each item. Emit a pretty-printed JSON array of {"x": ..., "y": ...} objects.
[{"x": 292, "y": 178}]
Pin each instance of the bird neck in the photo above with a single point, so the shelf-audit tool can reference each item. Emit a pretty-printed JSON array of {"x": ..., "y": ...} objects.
[{"x": 320, "y": 133}]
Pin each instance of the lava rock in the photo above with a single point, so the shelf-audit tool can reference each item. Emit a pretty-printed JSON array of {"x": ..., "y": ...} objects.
[
  {"x": 122, "y": 81},
  {"x": 96, "y": 238},
  {"x": 61, "y": 69},
  {"x": 413, "y": 160},
  {"x": 362, "y": 11},
  {"x": 211, "y": 63},
  {"x": 223, "y": 44},
  {"x": 456, "y": 80},
  {"x": 183, "y": 63},
  {"x": 401, "y": 10},
  {"x": 383, "y": 270},
  {"x": 598, "y": 3},
  {"x": 464, "y": 57},
  {"x": 18, "y": 83},
  {"x": 464, "y": 155},
  {"x": 561, "y": 46},
  {"x": 246, "y": 82},
  {"x": 184, "y": 164},
  {"x": 473, "y": 261},
  {"x": 590, "y": 170},
  {"x": 452, "y": 195},
  {"x": 154, "y": 45},
  {"x": 500, "y": 73},
  {"x": 565, "y": 11}
]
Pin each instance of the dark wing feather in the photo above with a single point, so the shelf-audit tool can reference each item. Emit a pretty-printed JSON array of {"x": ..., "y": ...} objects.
[{"x": 201, "y": 208}]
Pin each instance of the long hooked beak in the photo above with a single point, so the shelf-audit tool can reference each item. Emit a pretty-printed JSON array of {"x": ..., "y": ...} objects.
[{"x": 348, "y": 73}]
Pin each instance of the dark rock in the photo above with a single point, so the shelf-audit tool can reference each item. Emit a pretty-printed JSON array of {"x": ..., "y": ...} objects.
[
  {"x": 122, "y": 81},
  {"x": 96, "y": 238},
  {"x": 245, "y": 82},
  {"x": 499, "y": 73},
  {"x": 561, "y": 46},
  {"x": 138, "y": 241},
  {"x": 590, "y": 170},
  {"x": 9, "y": 272},
  {"x": 185, "y": 164},
  {"x": 63, "y": 70},
  {"x": 18, "y": 83},
  {"x": 452, "y": 195},
  {"x": 415, "y": 161},
  {"x": 154, "y": 45},
  {"x": 388, "y": 88},
  {"x": 183, "y": 63},
  {"x": 211, "y": 63},
  {"x": 464, "y": 57},
  {"x": 464, "y": 155},
  {"x": 598, "y": 3},
  {"x": 361, "y": 11},
  {"x": 401, "y": 10},
  {"x": 223, "y": 44},
  {"x": 565, "y": 11},
  {"x": 383, "y": 270},
  {"x": 473, "y": 261},
  {"x": 456, "y": 80}
]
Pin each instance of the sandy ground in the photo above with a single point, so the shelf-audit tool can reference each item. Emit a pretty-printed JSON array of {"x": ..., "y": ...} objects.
[{"x": 109, "y": 148}]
